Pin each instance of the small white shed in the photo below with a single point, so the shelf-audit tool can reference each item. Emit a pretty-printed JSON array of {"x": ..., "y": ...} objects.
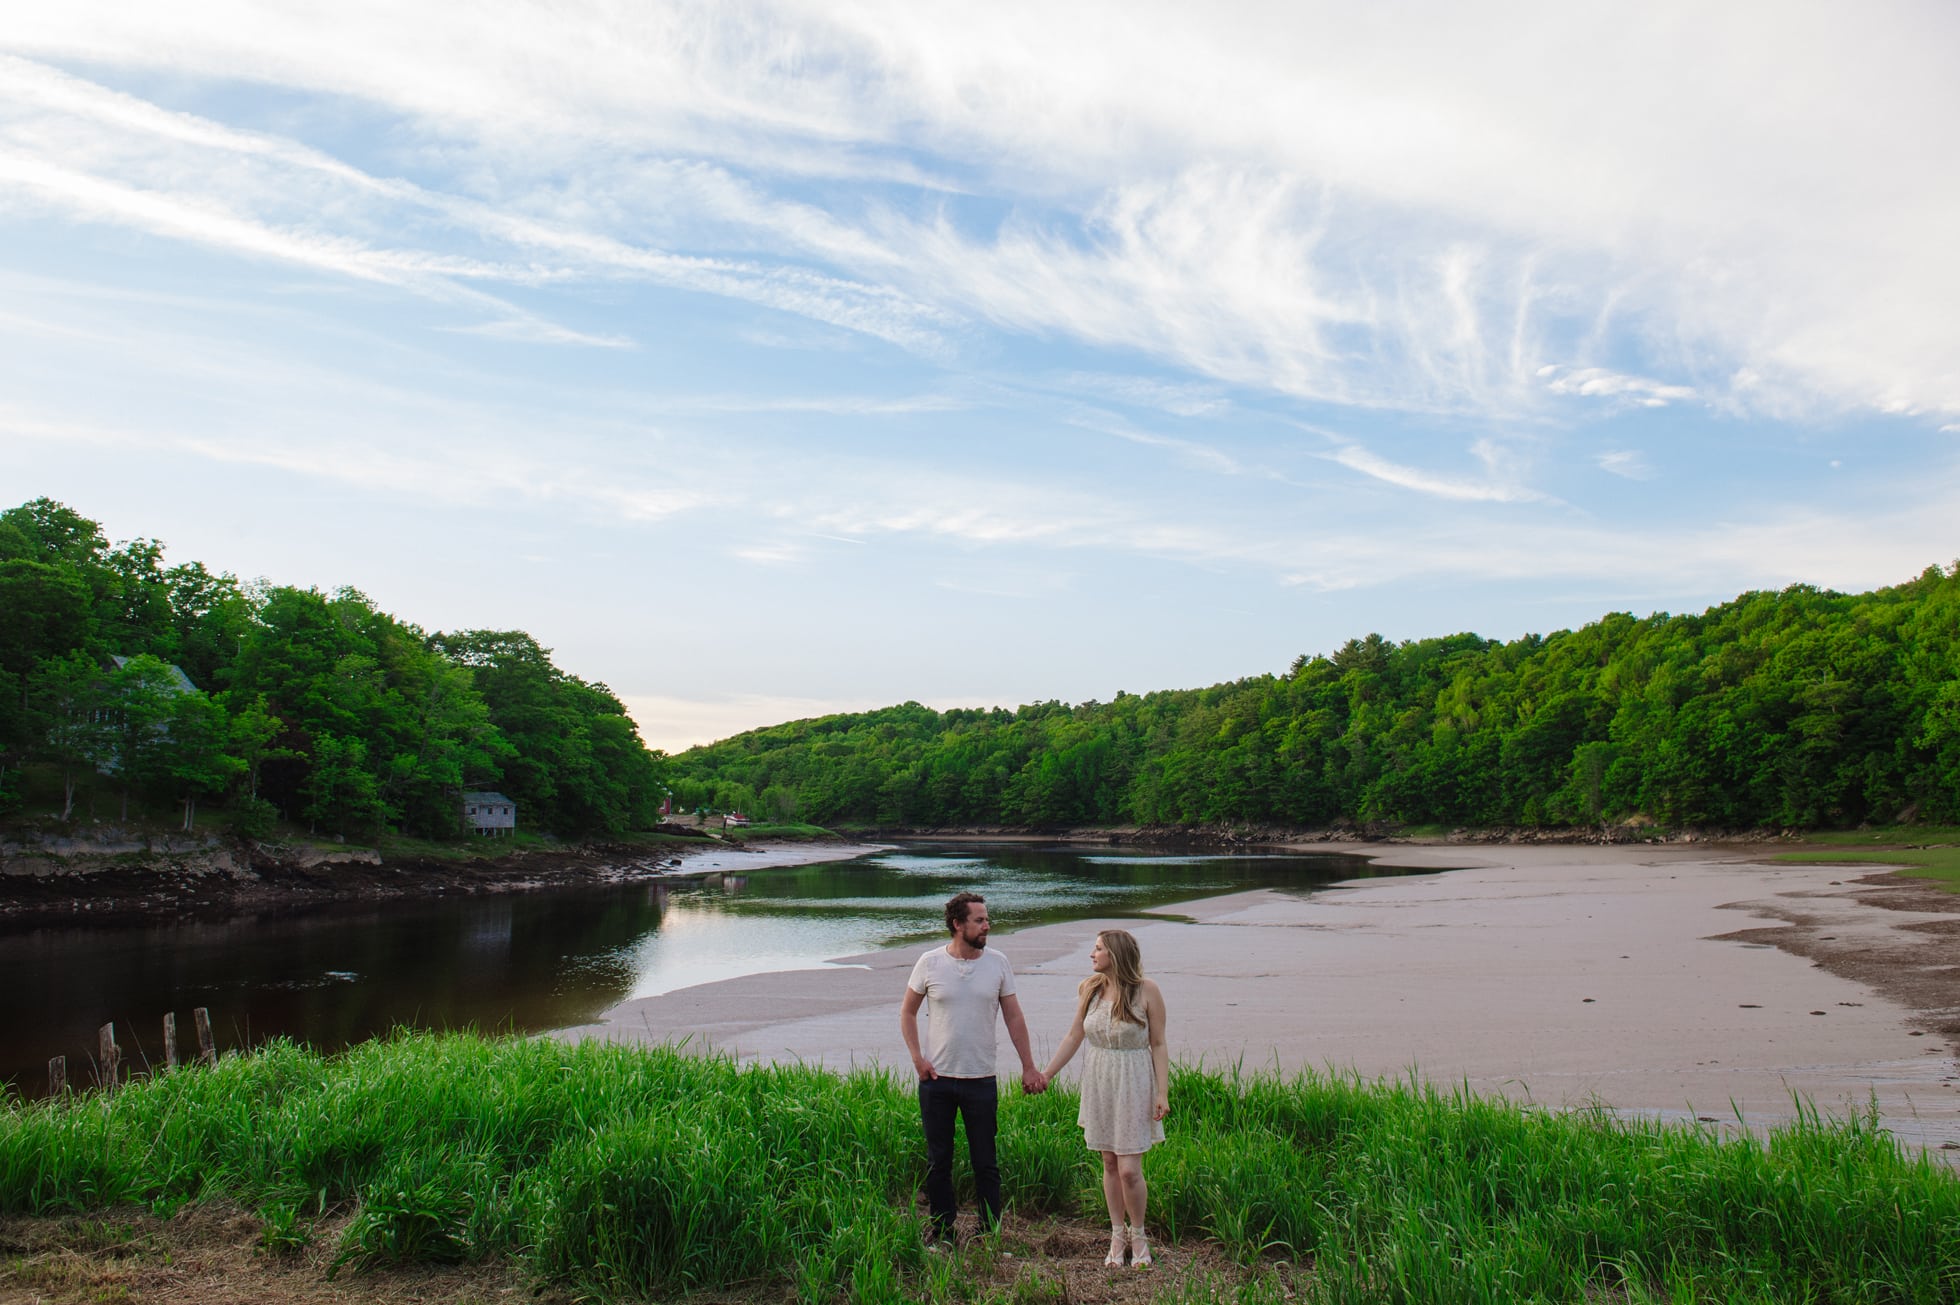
[{"x": 490, "y": 814}]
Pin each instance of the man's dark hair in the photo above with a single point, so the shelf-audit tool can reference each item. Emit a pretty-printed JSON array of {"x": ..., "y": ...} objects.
[{"x": 956, "y": 909}]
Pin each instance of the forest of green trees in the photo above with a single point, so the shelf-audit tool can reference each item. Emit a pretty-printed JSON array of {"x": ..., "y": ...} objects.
[
  {"x": 1795, "y": 709},
  {"x": 313, "y": 708}
]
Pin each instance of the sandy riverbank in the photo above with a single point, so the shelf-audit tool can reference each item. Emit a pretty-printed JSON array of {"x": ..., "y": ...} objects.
[
  {"x": 765, "y": 855},
  {"x": 1675, "y": 980}
]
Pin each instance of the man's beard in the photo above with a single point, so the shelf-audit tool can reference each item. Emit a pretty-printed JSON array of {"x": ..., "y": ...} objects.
[{"x": 979, "y": 943}]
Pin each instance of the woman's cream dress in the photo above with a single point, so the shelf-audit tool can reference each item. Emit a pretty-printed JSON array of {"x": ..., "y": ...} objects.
[{"x": 1118, "y": 1085}]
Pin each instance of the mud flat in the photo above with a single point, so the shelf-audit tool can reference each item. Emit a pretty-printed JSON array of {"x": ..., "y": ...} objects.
[{"x": 1686, "y": 982}]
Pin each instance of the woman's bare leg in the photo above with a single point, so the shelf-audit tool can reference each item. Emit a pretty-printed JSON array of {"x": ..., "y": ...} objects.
[
  {"x": 1113, "y": 1198},
  {"x": 1136, "y": 1194}
]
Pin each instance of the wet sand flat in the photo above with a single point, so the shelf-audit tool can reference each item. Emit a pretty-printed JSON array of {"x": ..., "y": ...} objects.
[{"x": 1680, "y": 981}]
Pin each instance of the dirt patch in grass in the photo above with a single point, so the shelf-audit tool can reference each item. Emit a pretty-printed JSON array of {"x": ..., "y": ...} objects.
[
  {"x": 212, "y": 1255},
  {"x": 1061, "y": 1260},
  {"x": 216, "y": 1254}
]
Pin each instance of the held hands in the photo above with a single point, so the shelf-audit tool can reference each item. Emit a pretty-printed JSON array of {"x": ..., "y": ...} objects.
[{"x": 1033, "y": 1081}]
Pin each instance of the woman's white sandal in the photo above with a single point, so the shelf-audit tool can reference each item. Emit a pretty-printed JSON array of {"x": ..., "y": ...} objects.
[
  {"x": 1119, "y": 1240},
  {"x": 1140, "y": 1251}
]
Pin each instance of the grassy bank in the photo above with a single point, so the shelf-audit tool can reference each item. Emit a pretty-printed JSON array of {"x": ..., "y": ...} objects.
[
  {"x": 778, "y": 833},
  {"x": 1921, "y": 851},
  {"x": 623, "y": 1172}
]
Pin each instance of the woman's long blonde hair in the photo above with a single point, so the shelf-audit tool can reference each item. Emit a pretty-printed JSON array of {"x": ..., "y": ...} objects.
[{"x": 1123, "y": 983}]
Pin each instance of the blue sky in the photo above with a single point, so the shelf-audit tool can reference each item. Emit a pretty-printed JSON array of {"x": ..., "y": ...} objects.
[{"x": 772, "y": 359}]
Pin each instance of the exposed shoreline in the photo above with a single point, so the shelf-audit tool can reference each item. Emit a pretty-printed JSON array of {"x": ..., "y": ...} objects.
[
  {"x": 1467, "y": 978},
  {"x": 1677, "y": 981},
  {"x": 110, "y": 874},
  {"x": 193, "y": 877}
]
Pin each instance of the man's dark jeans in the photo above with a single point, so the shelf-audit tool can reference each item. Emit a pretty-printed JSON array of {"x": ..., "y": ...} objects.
[{"x": 978, "y": 1099}]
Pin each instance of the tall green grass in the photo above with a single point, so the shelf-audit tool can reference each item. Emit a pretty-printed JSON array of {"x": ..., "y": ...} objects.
[{"x": 629, "y": 1171}]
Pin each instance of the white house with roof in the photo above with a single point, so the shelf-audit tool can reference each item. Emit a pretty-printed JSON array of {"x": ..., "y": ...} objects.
[
  {"x": 490, "y": 814},
  {"x": 179, "y": 682},
  {"x": 111, "y": 716}
]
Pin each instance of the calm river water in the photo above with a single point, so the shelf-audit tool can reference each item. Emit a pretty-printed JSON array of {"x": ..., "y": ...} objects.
[{"x": 542, "y": 960}]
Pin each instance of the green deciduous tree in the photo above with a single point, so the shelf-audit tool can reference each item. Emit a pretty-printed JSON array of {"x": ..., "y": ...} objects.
[
  {"x": 1800, "y": 707},
  {"x": 196, "y": 759},
  {"x": 572, "y": 759},
  {"x": 69, "y": 699},
  {"x": 140, "y": 696},
  {"x": 316, "y": 704},
  {"x": 339, "y": 792}
]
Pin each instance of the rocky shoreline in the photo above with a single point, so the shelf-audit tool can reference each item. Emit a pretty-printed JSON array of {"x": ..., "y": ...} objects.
[
  {"x": 114, "y": 872},
  {"x": 1246, "y": 837},
  {"x": 120, "y": 874}
]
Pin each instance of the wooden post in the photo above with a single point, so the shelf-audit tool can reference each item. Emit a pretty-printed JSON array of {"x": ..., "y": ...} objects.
[
  {"x": 207, "y": 1049},
  {"x": 57, "y": 1075},
  {"x": 170, "y": 1040},
  {"x": 110, "y": 1056}
]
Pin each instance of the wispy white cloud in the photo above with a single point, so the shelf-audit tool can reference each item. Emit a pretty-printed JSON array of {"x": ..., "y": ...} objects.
[
  {"x": 813, "y": 341},
  {"x": 965, "y": 516},
  {"x": 1214, "y": 271},
  {"x": 107, "y": 157},
  {"x": 1628, "y": 463},
  {"x": 1223, "y": 273},
  {"x": 832, "y": 405},
  {"x": 1599, "y": 383},
  {"x": 1188, "y": 229},
  {"x": 1492, "y": 488},
  {"x": 778, "y": 552},
  {"x": 1180, "y": 400},
  {"x": 203, "y": 222},
  {"x": 532, "y": 330},
  {"x": 206, "y": 223},
  {"x": 395, "y": 468},
  {"x": 1774, "y": 547},
  {"x": 867, "y": 505},
  {"x": 1192, "y": 452},
  {"x": 1297, "y": 200},
  {"x": 395, "y": 444}
]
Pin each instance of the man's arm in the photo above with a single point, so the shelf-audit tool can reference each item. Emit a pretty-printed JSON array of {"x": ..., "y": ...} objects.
[
  {"x": 908, "y": 1028},
  {"x": 1032, "y": 1079}
]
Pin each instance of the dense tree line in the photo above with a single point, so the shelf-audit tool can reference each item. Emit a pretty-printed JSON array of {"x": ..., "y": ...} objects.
[
  {"x": 315, "y": 707},
  {"x": 1802, "y": 708}
]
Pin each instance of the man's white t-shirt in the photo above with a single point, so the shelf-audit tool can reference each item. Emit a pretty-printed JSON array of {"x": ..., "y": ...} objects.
[{"x": 962, "y": 1009}]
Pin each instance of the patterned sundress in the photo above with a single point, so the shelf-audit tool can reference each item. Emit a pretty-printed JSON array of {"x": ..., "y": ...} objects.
[{"x": 1118, "y": 1085}]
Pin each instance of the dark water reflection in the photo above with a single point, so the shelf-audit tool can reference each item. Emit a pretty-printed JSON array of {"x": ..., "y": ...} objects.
[{"x": 536, "y": 961}]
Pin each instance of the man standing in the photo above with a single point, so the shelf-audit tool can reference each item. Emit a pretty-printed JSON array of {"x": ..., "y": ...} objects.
[{"x": 964, "y": 987}]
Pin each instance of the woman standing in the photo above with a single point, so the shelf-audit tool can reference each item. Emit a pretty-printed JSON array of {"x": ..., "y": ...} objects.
[{"x": 1126, "y": 1075}]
